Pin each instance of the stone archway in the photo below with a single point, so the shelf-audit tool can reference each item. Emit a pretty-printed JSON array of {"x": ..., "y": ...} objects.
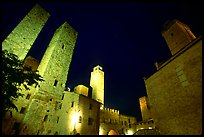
[{"x": 113, "y": 132}]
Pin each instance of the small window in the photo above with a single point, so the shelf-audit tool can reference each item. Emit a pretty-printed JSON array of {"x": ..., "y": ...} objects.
[
  {"x": 90, "y": 121},
  {"x": 80, "y": 119},
  {"x": 57, "y": 119},
  {"x": 172, "y": 34},
  {"x": 45, "y": 118},
  {"x": 28, "y": 96},
  {"x": 72, "y": 104},
  {"x": 55, "y": 84},
  {"x": 22, "y": 110},
  {"x": 129, "y": 125},
  {"x": 90, "y": 106},
  {"x": 62, "y": 96},
  {"x": 63, "y": 46},
  {"x": 129, "y": 120}
]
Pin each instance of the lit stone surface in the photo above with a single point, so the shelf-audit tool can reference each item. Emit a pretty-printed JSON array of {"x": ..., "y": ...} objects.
[
  {"x": 54, "y": 69},
  {"x": 97, "y": 83},
  {"x": 21, "y": 39},
  {"x": 49, "y": 110},
  {"x": 175, "y": 92},
  {"x": 177, "y": 35},
  {"x": 145, "y": 108},
  {"x": 111, "y": 119}
]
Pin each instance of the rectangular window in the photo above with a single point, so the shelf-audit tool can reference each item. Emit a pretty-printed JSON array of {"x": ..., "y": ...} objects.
[
  {"x": 57, "y": 119},
  {"x": 90, "y": 121},
  {"x": 72, "y": 104},
  {"x": 22, "y": 110},
  {"x": 28, "y": 96},
  {"x": 62, "y": 96},
  {"x": 80, "y": 119},
  {"x": 55, "y": 84},
  {"x": 90, "y": 106}
]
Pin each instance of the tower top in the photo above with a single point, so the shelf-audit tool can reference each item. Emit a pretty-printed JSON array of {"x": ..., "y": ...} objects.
[
  {"x": 169, "y": 23},
  {"x": 97, "y": 68}
]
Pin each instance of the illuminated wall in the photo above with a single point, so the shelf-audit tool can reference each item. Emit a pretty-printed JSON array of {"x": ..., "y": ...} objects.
[
  {"x": 21, "y": 39},
  {"x": 81, "y": 89},
  {"x": 54, "y": 69},
  {"x": 177, "y": 35},
  {"x": 97, "y": 83},
  {"x": 110, "y": 119},
  {"x": 79, "y": 114},
  {"x": 175, "y": 91},
  {"x": 145, "y": 108},
  {"x": 40, "y": 108}
]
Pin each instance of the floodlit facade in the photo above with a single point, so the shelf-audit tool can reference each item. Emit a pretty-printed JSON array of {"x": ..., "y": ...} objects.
[
  {"x": 51, "y": 108},
  {"x": 21, "y": 39},
  {"x": 97, "y": 84},
  {"x": 40, "y": 107},
  {"x": 175, "y": 89}
]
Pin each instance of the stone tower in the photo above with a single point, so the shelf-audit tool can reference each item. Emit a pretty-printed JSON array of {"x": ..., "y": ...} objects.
[
  {"x": 21, "y": 39},
  {"x": 97, "y": 83},
  {"x": 55, "y": 63},
  {"x": 145, "y": 108},
  {"x": 177, "y": 35},
  {"x": 54, "y": 68}
]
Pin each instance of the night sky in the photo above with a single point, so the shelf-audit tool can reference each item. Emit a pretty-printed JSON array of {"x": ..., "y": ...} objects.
[{"x": 123, "y": 37}]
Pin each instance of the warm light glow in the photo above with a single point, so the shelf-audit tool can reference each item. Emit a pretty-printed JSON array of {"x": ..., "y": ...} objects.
[
  {"x": 150, "y": 127},
  {"x": 130, "y": 132},
  {"x": 75, "y": 119}
]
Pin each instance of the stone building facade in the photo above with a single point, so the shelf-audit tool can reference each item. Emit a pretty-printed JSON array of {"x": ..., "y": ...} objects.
[
  {"x": 40, "y": 107},
  {"x": 175, "y": 89},
  {"x": 49, "y": 109}
]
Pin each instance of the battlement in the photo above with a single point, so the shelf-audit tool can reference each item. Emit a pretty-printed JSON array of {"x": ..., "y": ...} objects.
[{"x": 111, "y": 110}]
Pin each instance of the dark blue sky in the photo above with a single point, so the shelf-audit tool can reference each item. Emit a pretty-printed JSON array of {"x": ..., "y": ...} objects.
[{"x": 123, "y": 37}]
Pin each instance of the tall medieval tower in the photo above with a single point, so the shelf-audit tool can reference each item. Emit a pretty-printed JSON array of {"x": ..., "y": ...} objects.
[
  {"x": 97, "y": 83},
  {"x": 145, "y": 108},
  {"x": 21, "y": 39},
  {"x": 177, "y": 35},
  {"x": 55, "y": 63},
  {"x": 40, "y": 107},
  {"x": 54, "y": 67}
]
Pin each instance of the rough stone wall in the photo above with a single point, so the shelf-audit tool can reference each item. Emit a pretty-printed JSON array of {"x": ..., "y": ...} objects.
[
  {"x": 145, "y": 108},
  {"x": 89, "y": 110},
  {"x": 54, "y": 69},
  {"x": 21, "y": 39},
  {"x": 122, "y": 124},
  {"x": 177, "y": 36},
  {"x": 175, "y": 93},
  {"x": 81, "y": 89}
]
